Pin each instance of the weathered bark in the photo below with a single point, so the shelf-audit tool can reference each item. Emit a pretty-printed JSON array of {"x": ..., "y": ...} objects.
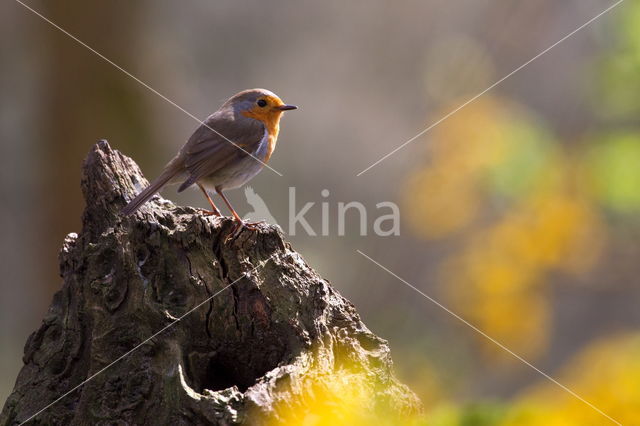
[{"x": 266, "y": 348}]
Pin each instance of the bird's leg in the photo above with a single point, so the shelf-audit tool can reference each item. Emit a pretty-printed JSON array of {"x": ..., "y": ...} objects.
[
  {"x": 214, "y": 210},
  {"x": 239, "y": 222},
  {"x": 233, "y": 212}
]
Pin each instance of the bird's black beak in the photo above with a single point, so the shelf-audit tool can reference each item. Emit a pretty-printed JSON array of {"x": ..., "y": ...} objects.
[{"x": 286, "y": 107}]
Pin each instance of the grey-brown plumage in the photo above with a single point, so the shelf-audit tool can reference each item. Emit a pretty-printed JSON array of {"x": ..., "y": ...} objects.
[{"x": 227, "y": 150}]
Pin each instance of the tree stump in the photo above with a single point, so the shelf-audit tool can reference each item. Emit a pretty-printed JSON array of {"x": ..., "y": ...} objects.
[{"x": 244, "y": 332}]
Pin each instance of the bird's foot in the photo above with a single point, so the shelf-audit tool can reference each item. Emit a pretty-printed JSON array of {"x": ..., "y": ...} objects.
[
  {"x": 205, "y": 212},
  {"x": 254, "y": 225},
  {"x": 239, "y": 226}
]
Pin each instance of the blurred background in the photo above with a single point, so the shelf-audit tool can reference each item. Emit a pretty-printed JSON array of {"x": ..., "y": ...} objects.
[{"x": 520, "y": 212}]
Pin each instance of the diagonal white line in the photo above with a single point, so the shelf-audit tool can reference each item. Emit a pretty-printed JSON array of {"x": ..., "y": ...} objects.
[
  {"x": 476, "y": 329},
  {"x": 146, "y": 85},
  {"x": 171, "y": 324},
  {"x": 607, "y": 10}
]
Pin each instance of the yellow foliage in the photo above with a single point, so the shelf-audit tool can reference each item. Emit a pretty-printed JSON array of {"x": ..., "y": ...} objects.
[
  {"x": 432, "y": 210},
  {"x": 345, "y": 396},
  {"x": 496, "y": 278},
  {"x": 606, "y": 374},
  {"x": 341, "y": 400},
  {"x": 444, "y": 197}
]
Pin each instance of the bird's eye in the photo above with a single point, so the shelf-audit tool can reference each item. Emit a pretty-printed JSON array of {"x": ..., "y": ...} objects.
[{"x": 262, "y": 103}]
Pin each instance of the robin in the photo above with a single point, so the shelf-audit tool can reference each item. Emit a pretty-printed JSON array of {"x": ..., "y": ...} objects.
[{"x": 231, "y": 146}]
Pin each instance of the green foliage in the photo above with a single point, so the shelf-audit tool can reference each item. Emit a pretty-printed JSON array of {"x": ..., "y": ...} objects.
[
  {"x": 529, "y": 152},
  {"x": 614, "y": 171},
  {"x": 474, "y": 414},
  {"x": 619, "y": 85}
]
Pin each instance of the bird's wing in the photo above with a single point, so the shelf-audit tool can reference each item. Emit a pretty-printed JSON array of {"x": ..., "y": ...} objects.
[{"x": 208, "y": 151}]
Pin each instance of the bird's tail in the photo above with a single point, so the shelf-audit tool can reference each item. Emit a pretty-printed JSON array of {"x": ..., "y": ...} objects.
[{"x": 150, "y": 190}]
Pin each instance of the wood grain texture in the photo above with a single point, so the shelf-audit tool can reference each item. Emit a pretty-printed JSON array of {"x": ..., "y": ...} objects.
[{"x": 245, "y": 357}]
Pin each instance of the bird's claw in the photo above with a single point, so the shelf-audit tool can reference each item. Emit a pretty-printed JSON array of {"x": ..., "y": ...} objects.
[
  {"x": 254, "y": 226},
  {"x": 238, "y": 227},
  {"x": 205, "y": 212}
]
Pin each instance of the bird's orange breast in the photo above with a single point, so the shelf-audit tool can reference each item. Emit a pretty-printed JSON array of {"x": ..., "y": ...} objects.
[{"x": 271, "y": 121}]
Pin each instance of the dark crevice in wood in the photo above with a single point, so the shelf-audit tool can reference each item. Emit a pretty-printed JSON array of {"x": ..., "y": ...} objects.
[{"x": 246, "y": 356}]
